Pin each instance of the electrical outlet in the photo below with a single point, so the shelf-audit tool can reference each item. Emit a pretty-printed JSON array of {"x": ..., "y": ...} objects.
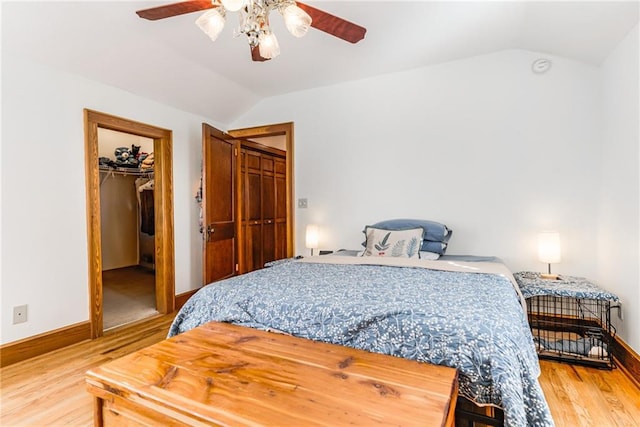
[
  {"x": 19, "y": 314},
  {"x": 302, "y": 203}
]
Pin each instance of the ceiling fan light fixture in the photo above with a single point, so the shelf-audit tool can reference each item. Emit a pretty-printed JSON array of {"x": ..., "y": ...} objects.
[
  {"x": 211, "y": 23},
  {"x": 233, "y": 5},
  {"x": 268, "y": 45},
  {"x": 254, "y": 21},
  {"x": 296, "y": 20}
]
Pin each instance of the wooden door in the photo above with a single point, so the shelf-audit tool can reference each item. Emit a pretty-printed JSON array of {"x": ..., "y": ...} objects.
[
  {"x": 264, "y": 237},
  {"x": 268, "y": 209},
  {"x": 252, "y": 210},
  {"x": 284, "y": 213},
  {"x": 280, "y": 209},
  {"x": 219, "y": 205}
]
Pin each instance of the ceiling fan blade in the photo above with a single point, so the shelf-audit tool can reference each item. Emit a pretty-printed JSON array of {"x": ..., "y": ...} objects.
[
  {"x": 174, "y": 9},
  {"x": 333, "y": 25},
  {"x": 255, "y": 54}
]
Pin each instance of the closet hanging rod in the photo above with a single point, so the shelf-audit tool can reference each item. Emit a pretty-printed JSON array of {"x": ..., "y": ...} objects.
[
  {"x": 126, "y": 171},
  {"x": 109, "y": 171}
]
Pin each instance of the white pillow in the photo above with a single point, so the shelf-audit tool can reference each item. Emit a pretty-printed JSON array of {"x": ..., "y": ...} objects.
[{"x": 393, "y": 243}]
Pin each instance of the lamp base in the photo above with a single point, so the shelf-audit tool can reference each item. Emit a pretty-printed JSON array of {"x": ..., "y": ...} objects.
[{"x": 549, "y": 276}]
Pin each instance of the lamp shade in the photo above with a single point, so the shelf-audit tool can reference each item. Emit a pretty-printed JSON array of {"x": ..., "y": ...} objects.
[
  {"x": 268, "y": 45},
  {"x": 296, "y": 20},
  {"x": 233, "y": 5},
  {"x": 311, "y": 237},
  {"x": 549, "y": 247}
]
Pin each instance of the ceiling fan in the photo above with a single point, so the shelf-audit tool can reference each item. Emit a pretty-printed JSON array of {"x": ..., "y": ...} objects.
[{"x": 254, "y": 21}]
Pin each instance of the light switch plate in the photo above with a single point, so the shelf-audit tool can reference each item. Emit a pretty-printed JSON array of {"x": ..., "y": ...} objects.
[{"x": 302, "y": 203}]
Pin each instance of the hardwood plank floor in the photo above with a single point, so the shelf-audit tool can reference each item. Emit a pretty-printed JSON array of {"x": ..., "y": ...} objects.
[
  {"x": 582, "y": 396},
  {"x": 49, "y": 390}
]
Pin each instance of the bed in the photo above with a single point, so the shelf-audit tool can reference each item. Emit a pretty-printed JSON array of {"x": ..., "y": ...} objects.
[{"x": 463, "y": 312}]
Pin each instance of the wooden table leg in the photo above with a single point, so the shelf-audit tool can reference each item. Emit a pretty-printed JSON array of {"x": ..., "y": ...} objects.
[{"x": 97, "y": 412}]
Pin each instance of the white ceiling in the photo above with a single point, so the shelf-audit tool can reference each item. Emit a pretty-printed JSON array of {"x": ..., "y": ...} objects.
[{"x": 173, "y": 62}]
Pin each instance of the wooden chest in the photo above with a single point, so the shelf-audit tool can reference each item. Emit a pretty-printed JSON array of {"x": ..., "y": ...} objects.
[{"x": 222, "y": 374}]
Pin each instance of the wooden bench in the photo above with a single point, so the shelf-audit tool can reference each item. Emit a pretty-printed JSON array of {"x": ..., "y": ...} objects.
[{"x": 222, "y": 374}]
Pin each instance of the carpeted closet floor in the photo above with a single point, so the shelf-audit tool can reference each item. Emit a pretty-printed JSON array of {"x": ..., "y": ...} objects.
[{"x": 128, "y": 295}]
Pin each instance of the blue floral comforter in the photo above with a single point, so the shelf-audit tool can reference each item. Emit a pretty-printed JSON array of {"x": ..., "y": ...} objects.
[{"x": 470, "y": 321}]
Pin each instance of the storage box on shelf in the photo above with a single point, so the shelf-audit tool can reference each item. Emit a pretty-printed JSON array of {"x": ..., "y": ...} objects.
[{"x": 570, "y": 318}]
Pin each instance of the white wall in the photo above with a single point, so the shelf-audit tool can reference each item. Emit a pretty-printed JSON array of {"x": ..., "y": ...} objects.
[
  {"x": 119, "y": 215},
  {"x": 44, "y": 233},
  {"x": 619, "y": 228},
  {"x": 483, "y": 144},
  {"x": 487, "y": 147}
]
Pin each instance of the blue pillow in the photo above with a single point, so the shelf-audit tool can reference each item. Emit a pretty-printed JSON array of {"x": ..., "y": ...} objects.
[
  {"x": 436, "y": 247},
  {"x": 433, "y": 231}
]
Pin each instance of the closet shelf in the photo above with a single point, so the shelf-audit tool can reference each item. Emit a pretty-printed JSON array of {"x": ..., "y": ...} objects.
[
  {"x": 127, "y": 171},
  {"x": 110, "y": 171}
]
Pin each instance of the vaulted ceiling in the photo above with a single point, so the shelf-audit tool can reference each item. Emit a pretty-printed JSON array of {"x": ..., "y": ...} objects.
[{"x": 173, "y": 62}]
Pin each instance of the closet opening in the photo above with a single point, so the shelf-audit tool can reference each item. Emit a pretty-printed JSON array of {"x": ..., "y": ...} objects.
[
  {"x": 111, "y": 174},
  {"x": 266, "y": 187},
  {"x": 263, "y": 206},
  {"x": 127, "y": 227}
]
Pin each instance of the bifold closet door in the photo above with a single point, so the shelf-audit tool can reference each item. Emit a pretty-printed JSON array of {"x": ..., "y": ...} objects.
[
  {"x": 264, "y": 220},
  {"x": 280, "y": 197},
  {"x": 252, "y": 210},
  {"x": 268, "y": 209}
]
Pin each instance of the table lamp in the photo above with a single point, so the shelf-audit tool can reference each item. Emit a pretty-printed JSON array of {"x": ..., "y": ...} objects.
[
  {"x": 311, "y": 237},
  {"x": 549, "y": 251}
]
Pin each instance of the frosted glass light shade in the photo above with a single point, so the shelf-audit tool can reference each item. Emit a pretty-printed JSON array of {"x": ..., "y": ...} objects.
[
  {"x": 549, "y": 247},
  {"x": 233, "y": 5},
  {"x": 268, "y": 45},
  {"x": 296, "y": 20},
  {"x": 211, "y": 23},
  {"x": 311, "y": 237}
]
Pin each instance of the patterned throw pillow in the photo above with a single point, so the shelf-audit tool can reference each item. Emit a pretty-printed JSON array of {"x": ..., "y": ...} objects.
[{"x": 393, "y": 243}]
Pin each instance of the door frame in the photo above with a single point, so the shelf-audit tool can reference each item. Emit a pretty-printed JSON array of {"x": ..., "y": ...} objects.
[
  {"x": 278, "y": 129},
  {"x": 163, "y": 211}
]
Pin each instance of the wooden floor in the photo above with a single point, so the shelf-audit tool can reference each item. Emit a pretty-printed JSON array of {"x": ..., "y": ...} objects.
[
  {"x": 49, "y": 390},
  {"x": 582, "y": 396}
]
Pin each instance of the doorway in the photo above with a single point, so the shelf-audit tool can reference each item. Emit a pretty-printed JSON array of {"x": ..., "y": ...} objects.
[
  {"x": 273, "y": 143},
  {"x": 126, "y": 164},
  {"x": 162, "y": 221},
  {"x": 225, "y": 238}
]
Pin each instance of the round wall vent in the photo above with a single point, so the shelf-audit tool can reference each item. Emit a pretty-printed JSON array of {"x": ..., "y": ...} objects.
[{"x": 541, "y": 65}]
